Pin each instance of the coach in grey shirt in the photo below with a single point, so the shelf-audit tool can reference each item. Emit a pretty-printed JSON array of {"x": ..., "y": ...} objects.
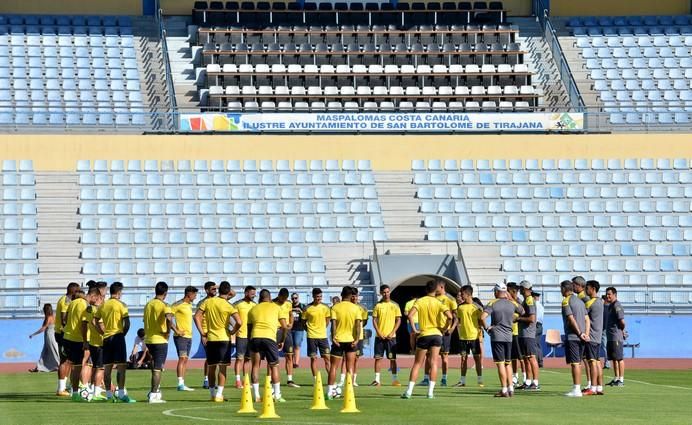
[
  {"x": 575, "y": 321},
  {"x": 594, "y": 307},
  {"x": 615, "y": 330}
]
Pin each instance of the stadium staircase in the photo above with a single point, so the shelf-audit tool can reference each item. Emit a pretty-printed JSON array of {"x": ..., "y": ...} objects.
[{"x": 181, "y": 60}]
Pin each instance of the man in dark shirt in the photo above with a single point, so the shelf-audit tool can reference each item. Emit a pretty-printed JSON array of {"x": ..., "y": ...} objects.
[
  {"x": 594, "y": 308},
  {"x": 576, "y": 323},
  {"x": 298, "y": 329},
  {"x": 615, "y": 319}
]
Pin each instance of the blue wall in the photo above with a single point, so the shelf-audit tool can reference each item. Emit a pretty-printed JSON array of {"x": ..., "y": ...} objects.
[{"x": 660, "y": 337}]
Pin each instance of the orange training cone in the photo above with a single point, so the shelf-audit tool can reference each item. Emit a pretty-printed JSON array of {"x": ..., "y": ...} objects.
[
  {"x": 318, "y": 395},
  {"x": 246, "y": 397},
  {"x": 268, "y": 411},
  {"x": 349, "y": 396}
]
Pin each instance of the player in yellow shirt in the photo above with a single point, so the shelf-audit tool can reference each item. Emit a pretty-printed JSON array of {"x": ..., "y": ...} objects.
[
  {"x": 451, "y": 304},
  {"x": 60, "y": 316},
  {"x": 76, "y": 346},
  {"x": 469, "y": 329},
  {"x": 411, "y": 334},
  {"x": 95, "y": 340},
  {"x": 211, "y": 290},
  {"x": 182, "y": 312},
  {"x": 361, "y": 339},
  {"x": 386, "y": 319},
  {"x": 242, "y": 342},
  {"x": 317, "y": 317},
  {"x": 158, "y": 324},
  {"x": 346, "y": 319},
  {"x": 517, "y": 355},
  {"x": 218, "y": 313},
  {"x": 429, "y": 338},
  {"x": 112, "y": 320},
  {"x": 287, "y": 313},
  {"x": 262, "y": 323}
]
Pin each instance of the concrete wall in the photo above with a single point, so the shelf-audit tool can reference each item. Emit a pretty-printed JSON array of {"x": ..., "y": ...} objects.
[
  {"x": 73, "y": 7},
  {"x": 387, "y": 152}
]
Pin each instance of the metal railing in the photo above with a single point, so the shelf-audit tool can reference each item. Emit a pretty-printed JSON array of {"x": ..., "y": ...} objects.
[{"x": 169, "y": 73}]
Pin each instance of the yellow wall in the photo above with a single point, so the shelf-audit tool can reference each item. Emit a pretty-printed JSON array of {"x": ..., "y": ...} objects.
[
  {"x": 73, "y": 7},
  {"x": 618, "y": 7},
  {"x": 184, "y": 7},
  {"x": 61, "y": 152}
]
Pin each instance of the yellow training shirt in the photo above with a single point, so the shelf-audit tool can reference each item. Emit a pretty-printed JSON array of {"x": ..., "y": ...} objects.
[
  {"x": 345, "y": 314},
  {"x": 408, "y": 306},
  {"x": 204, "y": 319},
  {"x": 182, "y": 311},
  {"x": 286, "y": 309},
  {"x": 155, "y": 323},
  {"x": 112, "y": 313},
  {"x": 315, "y": 317},
  {"x": 263, "y": 317},
  {"x": 430, "y": 309},
  {"x": 244, "y": 308},
  {"x": 469, "y": 315},
  {"x": 386, "y": 314},
  {"x": 217, "y": 311},
  {"x": 95, "y": 338},
  {"x": 61, "y": 308},
  {"x": 73, "y": 325},
  {"x": 363, "y": 319},
  {"x": 515, "y": 325}
]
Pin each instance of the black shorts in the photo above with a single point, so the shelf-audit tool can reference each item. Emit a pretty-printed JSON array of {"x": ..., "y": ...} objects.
[
  {"x": 467, "y": 347},
  {"x": 242, "y": 348},
  {"x": 267, "y": 348},
  {"x": 318, "y": 344},
  {"x": 516, "y": 350},
  {"x": 114, "y": 350},
  {"x": 527, "y": 346},
  {"x": 359, "y": 348},
  {"x": 343, "y": 348},
  {"x": 446, "y": 344},
  {"x": 428, "y": 342},
  {"x": 591, "y": 351},
  {"x": 183, "y": 345},
  {"x": 574, "y": 351},
  {"x": 74, "y": 351},
  {"x": 502, "y": 351},
  {"x": 158, "y": 353},
  {"x": 288, "y": 342},
  {"x": 217, "y": 352},
  {"x": 614, "y": 349},
  {"x": 61, "y": 347},
  {"x": 385, "y": 346},
  {"x": 96, "y": 356}
]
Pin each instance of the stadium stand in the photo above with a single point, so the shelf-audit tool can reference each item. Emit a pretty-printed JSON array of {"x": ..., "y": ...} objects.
[
  {"x": 259, "y": 222},
  {"x": 638, "y": 68},
  {"x": 18, "y": 248}
]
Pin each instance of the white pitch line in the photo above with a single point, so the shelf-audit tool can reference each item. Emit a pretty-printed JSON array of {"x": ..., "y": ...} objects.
[
  {"x": 171, "y": 412},
  {"x": 674, "y": 387}
]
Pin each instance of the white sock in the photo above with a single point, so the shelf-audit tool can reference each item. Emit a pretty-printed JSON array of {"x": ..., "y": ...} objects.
[
  {"x": 622, "y": 379},
  {"x": 62, "y": 384},
  {"x": 355, "y": 375},
  {"x": 219, "y": 391},
  {"x": 576, "y": 388},
  {"x": 97, "y": 390},
  {"x": 535, "y": 382},
  {"x": 121, "y": 393},
  {"x": 527, "y": 382},
  {"x": 343, "y": 379},
  {"x": 515, "y": 376},
  {"x": 255, "y": 387},
  {"x": 277, "y": 390},
  {"x": 462, "y": 380},
  {"x": 377, "y": 377},
  {"x": 431, "y": 387},
  {"x": 504, "y": 390},
  {"x": 206, "y": 379},
  {"x": 599, "y": 388},
  {"x": 594, "y": 387},
  {"x": 588, "y": 384},
  {"x": 523, "y": 375},
  {"x": 237, "y": 378},
  {"x": 409, "y": 390},
  {"x": 330, "y": 389},
  {"x": 290, "y": 377},
  {"x": 181, "y": 381}
]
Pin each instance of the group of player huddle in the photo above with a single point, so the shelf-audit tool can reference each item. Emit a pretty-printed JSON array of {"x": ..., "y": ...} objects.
[{"x": 91, "y": 335}]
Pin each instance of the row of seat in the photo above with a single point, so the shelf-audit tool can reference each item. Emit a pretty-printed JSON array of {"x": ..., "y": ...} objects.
[
  {"x": 567, "y": 221},
  {"x": 589, "y": 177},
  {"x": 663, "y": 118},
  {"x": 559, "y": 235},
  {"x": 550, "y": 164},
  {"x": 642, "y": 74},
  {"x": 636, "y": 52},
  {"x": 375, "y": 69},
  {"x": 335, "y": 179},
  {"x": 18, "y": 283},
  {"x": 611, "y": 265},
  {"x": 66, "y": 20},
  {"x": 371, "y": 92},
  {"x": 229, "y": 237},
  {"x": 14, "y": 253},
  {"x": 68, "y": 91},
  {"x": 225, "y": 208},
  {"x": 356, "y": 48},
  {"x": 632, "y": 31},
  {"x": 16, "y": 269},
  {"x": 609, "y": 21},
  {"x": 65, "y": 52},
  {"x": 47, "y": 41},
  {"x": 639, "y": 63},
  {"x": 501, "y": 207},
  {"x": 16, "y": 223},
  {"x": 596, "y": 250},
  {"x": 206, "y": 193},
  {"x": 196, "y": 252},
  {"x": 199, "y": 267},
  {"x": 384, "y": 106},
  {"x": 634, "y": 42},
  {"x": 216, "y": 165},
  {"x": 470, "y": 190}
]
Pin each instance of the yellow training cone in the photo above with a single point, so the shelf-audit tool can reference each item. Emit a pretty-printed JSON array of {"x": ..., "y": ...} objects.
[
  {"x": 349, "y": 397},
  {"x": 268, "y": 411},
  {"x": 318, "y": 394},
  {"x": 246, "y": 397}
]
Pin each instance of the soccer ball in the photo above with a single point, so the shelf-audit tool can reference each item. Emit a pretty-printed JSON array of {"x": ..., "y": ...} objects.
[{"x": 85, "y": 394}]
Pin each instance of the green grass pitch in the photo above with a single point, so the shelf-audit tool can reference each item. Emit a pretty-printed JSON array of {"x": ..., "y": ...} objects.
[{"x": 661, "y": 397}]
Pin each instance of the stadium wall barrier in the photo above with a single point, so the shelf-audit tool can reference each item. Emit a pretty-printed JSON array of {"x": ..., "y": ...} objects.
[
  {"x": 387, "y": 152},
  {"x": 618, "y": 8},
  {"x": 659, "y": 337},
  {"x": 76, "y": 7}
]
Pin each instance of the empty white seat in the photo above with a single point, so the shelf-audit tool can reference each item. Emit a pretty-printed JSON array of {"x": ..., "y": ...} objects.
[
  {"x": 349, "y": 90},
  {"x": 439, "y": 69},
  {"x": 342, "y": 69},
  {"x": 328, "y": 69},
  {"x": 429, "y": 91},
  {"x": 213, "y": 67},
  {"x": 311, "y": 69},
  {"x": 359, "y": 69},
  {"x": 278, "y": 68},
  {"x": 391, "y": 69},
  {"x": 375, "y": 69}
]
